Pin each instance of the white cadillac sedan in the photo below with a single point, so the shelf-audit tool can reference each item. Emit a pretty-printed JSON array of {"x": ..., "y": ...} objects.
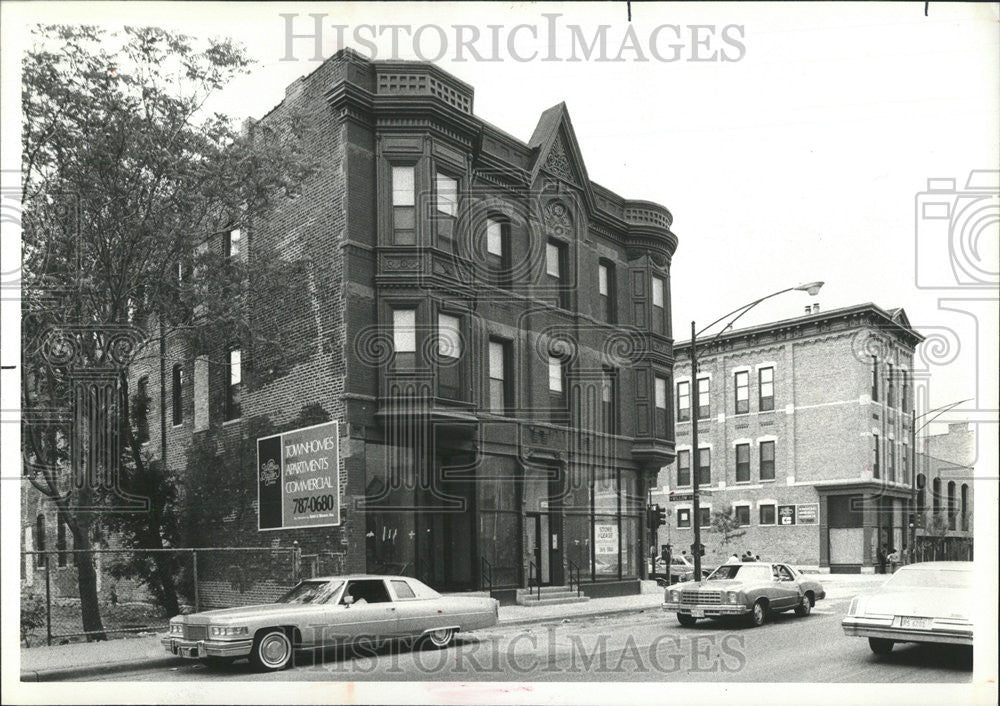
[{"x": 926, "y": 602}]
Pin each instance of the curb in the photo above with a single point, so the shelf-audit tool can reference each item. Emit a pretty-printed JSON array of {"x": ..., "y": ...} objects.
[
  {"x": 67, "y": 673},
  {"x": 602, "y": 613}
]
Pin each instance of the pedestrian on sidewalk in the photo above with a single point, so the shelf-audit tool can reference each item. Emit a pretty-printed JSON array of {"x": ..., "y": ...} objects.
[{"x": 880, "y": 556}]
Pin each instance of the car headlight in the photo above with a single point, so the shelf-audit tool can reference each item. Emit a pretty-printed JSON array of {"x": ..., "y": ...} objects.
[
  {"x": 228, "y": 631},
  {"x": 176, "y": 628},
  {"x": 675, "y": 597},
  {"x": 731, "y": 596}
]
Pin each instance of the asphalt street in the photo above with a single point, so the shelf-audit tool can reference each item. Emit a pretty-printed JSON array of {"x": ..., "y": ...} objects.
[{"x": 648, "y": 646}]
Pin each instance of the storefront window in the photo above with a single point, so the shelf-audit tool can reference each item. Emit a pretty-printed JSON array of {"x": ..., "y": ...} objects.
[
  {"x": 606, "y": 531},
  {"x": 500, "y": 519}
]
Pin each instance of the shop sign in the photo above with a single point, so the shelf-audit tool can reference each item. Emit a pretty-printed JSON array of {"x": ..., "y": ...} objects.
[
  {"x": 807, "y": 514},
  {"x": 605, "y": 538},
  {"x": 786, "y": 514},
  {"x": 298, "y": 478}
]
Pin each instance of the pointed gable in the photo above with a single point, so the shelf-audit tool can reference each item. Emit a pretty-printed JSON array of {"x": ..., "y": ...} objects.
[{"x": 557, "y": 151}]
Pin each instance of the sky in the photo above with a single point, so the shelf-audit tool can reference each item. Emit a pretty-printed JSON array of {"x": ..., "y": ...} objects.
[{"x": 802, "y": 157}]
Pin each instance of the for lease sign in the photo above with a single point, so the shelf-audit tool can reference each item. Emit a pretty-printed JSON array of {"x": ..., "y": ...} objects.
[{"x": 298, "y": 478}]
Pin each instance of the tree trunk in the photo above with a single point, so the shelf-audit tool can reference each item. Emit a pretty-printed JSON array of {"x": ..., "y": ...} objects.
[{"x": 86, "y": 576}]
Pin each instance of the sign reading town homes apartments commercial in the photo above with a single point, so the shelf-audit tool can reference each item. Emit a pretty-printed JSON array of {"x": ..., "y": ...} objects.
[{"x": 298, "y": 478}]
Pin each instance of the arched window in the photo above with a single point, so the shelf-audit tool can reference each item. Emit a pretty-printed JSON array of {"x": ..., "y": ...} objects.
[
  {"x": 178, "y": 398},
  {"x": 140, "y": 410},
  {"x": 952, "y": 506},
  {"x": 40, "y": 539},
  {"x": 936, "y": 495},
  {"x": 965, "y": 506},
  {"x": 921, "y": 493}
]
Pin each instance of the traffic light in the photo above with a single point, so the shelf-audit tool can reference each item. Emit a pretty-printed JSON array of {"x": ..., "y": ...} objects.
[
  {"x": 698, "y": 549},
  {"x": 651, "y": 517},
  {"x": 661, "y": 516}
]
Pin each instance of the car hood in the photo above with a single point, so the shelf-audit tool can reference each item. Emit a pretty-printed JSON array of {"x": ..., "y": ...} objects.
[
  {"x": 921, "y": 602},
  {"x": 716, "y": 585},
  {"x": 249, "y": 612}
]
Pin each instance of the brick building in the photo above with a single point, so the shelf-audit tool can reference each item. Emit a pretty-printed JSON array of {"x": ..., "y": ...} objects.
[
  {"x": 805, "y": 429},
  {"x": 943, "y": 527},
  {"x": 489, "y": 327}
]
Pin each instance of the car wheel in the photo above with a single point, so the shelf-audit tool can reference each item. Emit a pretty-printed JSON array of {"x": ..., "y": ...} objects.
[
  {"x": 272, "y": 650},
  {"x": 686, "y": 620},
  {"x": 758, "y": 614},
  {"x": 440, "y": 638},
  {"x": 880, "y": 645},
  {"x": 804, "y": 607}
]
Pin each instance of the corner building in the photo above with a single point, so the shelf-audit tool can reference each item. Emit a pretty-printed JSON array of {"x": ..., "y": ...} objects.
[
  {"x": 489, "y": 326},
  {"x": 805, "y": 432}
]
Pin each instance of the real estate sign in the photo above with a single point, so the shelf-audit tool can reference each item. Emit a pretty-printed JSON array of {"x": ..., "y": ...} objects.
[{"x": 298, "y": 478}]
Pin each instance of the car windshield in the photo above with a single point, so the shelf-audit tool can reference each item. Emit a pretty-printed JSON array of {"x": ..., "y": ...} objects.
[
  {"x": 312, "y": 592},
  {"x": 745, "y": 572},
  {"x": 931, "y": 578}
]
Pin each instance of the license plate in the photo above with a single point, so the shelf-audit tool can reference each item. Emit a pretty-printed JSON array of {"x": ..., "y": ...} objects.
[
  {"x": 921, "y": 623},
  {"x": 189, "y": 651},
  {"x": 697, "y": 614}
]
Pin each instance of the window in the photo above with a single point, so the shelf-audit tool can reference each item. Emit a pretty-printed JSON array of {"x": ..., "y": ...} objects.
[
  {"x": 683, "y": 401},
  {"x": 767, "y": 515},
  {"x": 704, "y": 467},
  {"x": 658, "y": 312},
  {"x": 177, "y": 394},
  {"x": 891, "y": 460},
  {"x": 609, "y": 402},
  {"x": 765, "y": 386},
  {"x": 767, "y": 460},
  {"x": 40, "y": 539},
  {"x": 403, "y": 212},
  {"x": 683, "y": 468},
  {"x": 660, "y": 399},
  {"x": 704, "y": 517},
  {"x": 235, "y": 385},
  {"x": 742, "y": 515},
  {"x": 965, "y": 507},
  {"x": 921, "y": 493},
  {"x": 499, "y": 394},
  {"x": 61, "y": 539},
  {"x": 606, "y": 290},
  {"x": 555, "y": 270},
  {"x": 875, "y": 459},
  {"x": 906, "y": 463},
  {"x": 890, "y": 392},
  {"x": 742, "y": 463},
  {"x": 368, "y": 590},
  {"x": 952, "y": 506},
  {"x": 404, "y": 338},
  {"x": 232, "y": 242},
  {"x": 704, "y": 398},
  {"x": 449, "y": 353},
  {"x": 683, "y": 518},
  {"x": 498, "y": 251},
  {"x": 904, "y": 393},
  {"x": 140, "y": 410},
  {"x": 874, "y": 380},
  {"x": 741, "y": 381},
  {"x": 447, "y": 209},
  {"x": 936, "y": 496},
  {"x": 557, "y": 390},
  {"x": 403, "y": 590}
]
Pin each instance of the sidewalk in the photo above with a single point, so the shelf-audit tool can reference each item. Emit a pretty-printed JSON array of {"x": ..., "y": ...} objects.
[{"x": 81, "y": 660}]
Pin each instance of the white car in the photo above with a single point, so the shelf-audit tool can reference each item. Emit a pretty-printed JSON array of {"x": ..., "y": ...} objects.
[{"x": 927, "y": 602}]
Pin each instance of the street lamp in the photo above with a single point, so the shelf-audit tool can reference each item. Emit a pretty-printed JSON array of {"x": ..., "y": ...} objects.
[{"x": 813, "y": 289}]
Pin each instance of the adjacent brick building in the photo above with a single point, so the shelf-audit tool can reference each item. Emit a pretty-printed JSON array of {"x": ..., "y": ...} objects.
[
  {"x": 805, "y": 430},
  {"x": 943, "y": 526},
  {"x": 490, "y": 328}
]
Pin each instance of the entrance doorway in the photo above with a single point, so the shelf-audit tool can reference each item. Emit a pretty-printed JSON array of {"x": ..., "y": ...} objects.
[{"x": 537, "y": 539}]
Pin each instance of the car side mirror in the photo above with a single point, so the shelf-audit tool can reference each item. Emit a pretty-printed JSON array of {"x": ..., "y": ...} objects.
[{"x": 348, "y": 600}]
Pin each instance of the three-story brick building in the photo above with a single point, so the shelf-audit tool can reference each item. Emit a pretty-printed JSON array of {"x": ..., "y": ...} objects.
[
  {"x": 805, "y": 431},
  {"x": 490, "y": 328}
]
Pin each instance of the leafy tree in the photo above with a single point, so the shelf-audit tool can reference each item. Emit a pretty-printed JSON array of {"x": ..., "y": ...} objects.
[
  {"x": 125, "y": 173},
  {"x": 724, "y": 522}
]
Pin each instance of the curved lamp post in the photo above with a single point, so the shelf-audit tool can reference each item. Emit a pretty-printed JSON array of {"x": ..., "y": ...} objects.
[{"x": 813, "y": 289}]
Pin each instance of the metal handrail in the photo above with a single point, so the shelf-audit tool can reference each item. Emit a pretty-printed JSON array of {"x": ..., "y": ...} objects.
[
  {"x": 532, "y": 570},
  {"x": 573, "y": 565},
  {"x": 486, "y": 573}
]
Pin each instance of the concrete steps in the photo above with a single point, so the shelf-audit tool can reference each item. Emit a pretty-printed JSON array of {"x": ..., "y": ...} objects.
[{"x": 549, "y": 595}]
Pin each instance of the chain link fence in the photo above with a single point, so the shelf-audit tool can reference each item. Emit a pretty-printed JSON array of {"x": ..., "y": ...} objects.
[{"x": 130, "y": 591}]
